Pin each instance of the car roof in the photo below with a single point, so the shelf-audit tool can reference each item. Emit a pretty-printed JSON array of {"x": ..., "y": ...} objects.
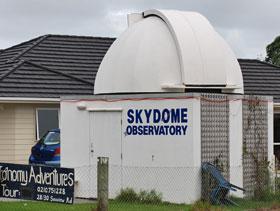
[{"x": 57, "y": 130}]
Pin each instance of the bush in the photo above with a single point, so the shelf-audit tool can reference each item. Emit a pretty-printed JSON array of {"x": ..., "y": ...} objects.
[
  {"x": 151, "y": 197},
  {"x": 148, "y": 197},
  {"x": 127, "y": 195},
  {"x": 269, "y": 196}
]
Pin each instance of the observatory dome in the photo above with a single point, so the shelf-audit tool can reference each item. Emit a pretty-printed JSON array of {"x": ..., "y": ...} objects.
[{"x": 168, "y": 51}]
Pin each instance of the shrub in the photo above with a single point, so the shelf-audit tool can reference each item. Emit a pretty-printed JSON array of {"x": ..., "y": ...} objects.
[
  {"x": 269, "y": 196},
  {"x": 151, "y": 197},
  {"x": 127, "y": 195},
  {"x": 148, "y": 197}
]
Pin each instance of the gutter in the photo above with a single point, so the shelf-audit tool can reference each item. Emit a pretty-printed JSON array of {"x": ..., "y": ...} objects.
[{"x": 29, "y": 100}]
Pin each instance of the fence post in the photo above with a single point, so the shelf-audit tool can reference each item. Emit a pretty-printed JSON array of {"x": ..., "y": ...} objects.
[{"x": 102, "y": 183}]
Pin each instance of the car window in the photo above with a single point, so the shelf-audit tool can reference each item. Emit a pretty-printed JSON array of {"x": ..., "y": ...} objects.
[{"x": 51, "y": 138}]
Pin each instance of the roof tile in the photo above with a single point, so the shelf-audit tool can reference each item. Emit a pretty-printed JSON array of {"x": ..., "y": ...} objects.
[
  {"x": 260, "y": 78},
  {"x": 54, "y": 65}
]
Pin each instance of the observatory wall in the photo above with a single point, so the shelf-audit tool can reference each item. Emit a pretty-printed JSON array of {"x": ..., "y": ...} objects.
[{"x": 155, "y": 141}]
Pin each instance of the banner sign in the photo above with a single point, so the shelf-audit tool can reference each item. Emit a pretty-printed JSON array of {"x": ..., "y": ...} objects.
[
  {"x": 40, "y": 183},
  {"x": 157, "y": 122}
]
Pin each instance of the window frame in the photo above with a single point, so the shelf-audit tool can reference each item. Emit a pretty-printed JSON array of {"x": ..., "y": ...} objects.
[
  {"x": 275, "y": 143},
  {"x": 37, "y": 138}
]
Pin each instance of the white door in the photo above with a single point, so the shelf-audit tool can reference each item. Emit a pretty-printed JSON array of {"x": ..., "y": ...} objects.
[{"x": 106, "y": 141}]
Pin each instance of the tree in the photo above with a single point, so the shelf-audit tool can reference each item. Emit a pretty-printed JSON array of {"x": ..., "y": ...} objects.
[{"x": 273, "y": 52}]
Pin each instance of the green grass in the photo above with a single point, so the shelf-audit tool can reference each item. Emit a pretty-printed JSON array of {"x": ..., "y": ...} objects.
[
  {"x": 114, "y": 206},
  {"x": 251, "y": 204},
  {"x": 42, "y": 206},
  {"x": 121, "y": 206}
]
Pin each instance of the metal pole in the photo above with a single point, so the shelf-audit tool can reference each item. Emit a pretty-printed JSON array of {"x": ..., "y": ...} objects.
[{"x": 102, "y": 183}]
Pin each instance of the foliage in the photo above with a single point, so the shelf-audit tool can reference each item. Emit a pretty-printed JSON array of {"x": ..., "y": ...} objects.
[
  {"x": 127, "y": 195},
  {"x": 270, "y": 196},
  {"x": 200, "y": 205},
  {"x": 245, "y": 204},
  {"x": 256, "y": 152},
  {"x": 277, "y": 184},
  {"x": 148, "y": 197},
  {"x": 204, "y": 206},
  {"x": 273, "y": 52}
]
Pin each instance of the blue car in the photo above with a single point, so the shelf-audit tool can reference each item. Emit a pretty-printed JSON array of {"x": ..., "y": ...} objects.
[{"x": 47, "y": 150}]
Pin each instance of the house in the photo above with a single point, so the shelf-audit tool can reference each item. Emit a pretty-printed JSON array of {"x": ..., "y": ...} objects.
[
  {"x": 261, "y": 78},
  {"x": 34, "y": 74}
]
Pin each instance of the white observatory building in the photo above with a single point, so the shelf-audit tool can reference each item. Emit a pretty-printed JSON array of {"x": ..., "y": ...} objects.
[
  {"x": 168, "y": 96},
  {"x": 168, "y": 51}
]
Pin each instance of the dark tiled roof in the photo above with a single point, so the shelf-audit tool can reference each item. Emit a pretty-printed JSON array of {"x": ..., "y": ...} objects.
[
  {"x": 260, "y": 78},
  {"x": 51, "y": 66},
  {"x": 55, "y": 65}
]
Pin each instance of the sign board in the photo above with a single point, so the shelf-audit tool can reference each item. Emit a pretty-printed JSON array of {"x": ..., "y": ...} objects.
[
  {"x": 39, "y": 183},
  {"x": 157, "y": 122}
]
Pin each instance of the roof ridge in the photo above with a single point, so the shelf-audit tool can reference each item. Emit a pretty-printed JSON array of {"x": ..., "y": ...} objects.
[
  {"x": 39, "y": 40},
  {"x": 244, "y": 59},
  {"x": 58, "y": 72},
  {"x": 267, "y": 63},
  {"x": 260, "y": 61},
  {"x": 58, "y": 35},
  {"x": 22, "y": 43},
  {"x": 80, "y": 36},
  {"x": 12, "y": 69}
]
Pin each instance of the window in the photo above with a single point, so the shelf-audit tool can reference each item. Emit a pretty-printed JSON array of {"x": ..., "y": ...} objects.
[
  {"x": 50, "y": 138},
  {"x": 276, "y": 128},
  {"x": 46, "y": 118},
  {"x": 277, "y": 138}
]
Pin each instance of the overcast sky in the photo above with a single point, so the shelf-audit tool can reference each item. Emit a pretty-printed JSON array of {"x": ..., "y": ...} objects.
[{"x": 247, "y": 25}]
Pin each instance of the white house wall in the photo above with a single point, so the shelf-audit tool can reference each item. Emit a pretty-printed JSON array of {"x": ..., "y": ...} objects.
[
  {"x": 270, "y": 136},
  {"x": 236, "y": 143},
  {"x": 172, "y": 161},
  {"x": 270, "y": 132}
]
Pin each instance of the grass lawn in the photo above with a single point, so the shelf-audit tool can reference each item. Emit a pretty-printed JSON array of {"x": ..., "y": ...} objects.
[
  {"x": 246, "y": 204},
  {"x": 118, "y": 206},
  {"x": 114, "y": 206},
  {"x": 41, "y": 206}
]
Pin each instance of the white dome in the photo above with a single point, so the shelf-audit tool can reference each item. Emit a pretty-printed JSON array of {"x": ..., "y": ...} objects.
[{"x": 169, "y": 51}]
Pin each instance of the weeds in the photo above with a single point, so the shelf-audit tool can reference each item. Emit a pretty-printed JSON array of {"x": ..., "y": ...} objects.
[{"x": 148, "y": 197}]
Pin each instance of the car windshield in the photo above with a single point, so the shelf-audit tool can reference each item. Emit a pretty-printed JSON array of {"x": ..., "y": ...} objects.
[{"x": 51, "y": 138}]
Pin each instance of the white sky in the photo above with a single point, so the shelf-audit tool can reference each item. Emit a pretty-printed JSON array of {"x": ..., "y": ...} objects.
[{"x": 247, "y": 25}]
